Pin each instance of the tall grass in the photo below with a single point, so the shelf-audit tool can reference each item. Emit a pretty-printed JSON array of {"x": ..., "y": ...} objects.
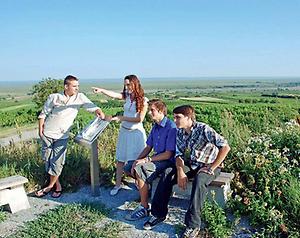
[
  {"x": 236, "y": 133},
  {"x": 23, "y": 159}
]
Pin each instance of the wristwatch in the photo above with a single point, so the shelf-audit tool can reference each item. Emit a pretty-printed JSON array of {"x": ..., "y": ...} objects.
[{"x": 149, "y": 159}]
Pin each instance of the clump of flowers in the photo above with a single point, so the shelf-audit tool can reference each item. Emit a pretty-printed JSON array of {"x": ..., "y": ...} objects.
[{"x": 262, "y": 185}]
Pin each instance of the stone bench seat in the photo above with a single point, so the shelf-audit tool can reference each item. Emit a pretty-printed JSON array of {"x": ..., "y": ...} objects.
[
  {"x": 218, "y": 189},
  {"x": 12, "y": 193}
]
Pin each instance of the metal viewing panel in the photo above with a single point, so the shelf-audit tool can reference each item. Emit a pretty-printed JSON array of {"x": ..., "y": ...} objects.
[
  {"x": 90, "y": 133},
  {"x": 88, "y": 137}
]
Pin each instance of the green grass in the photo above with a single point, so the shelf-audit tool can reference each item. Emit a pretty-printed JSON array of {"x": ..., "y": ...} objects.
[
  {"x": 3, "y": 215},
  {"x": 73, "y": 220},
  {"x": 16, "y": 107},
  {"x": 203, "y": 99},
  {"x": 20, "y": 111},
  {"x": 11, "y": 101}
]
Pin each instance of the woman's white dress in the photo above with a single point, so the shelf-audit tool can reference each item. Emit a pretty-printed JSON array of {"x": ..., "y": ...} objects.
[{"x": 132, "y": 135}]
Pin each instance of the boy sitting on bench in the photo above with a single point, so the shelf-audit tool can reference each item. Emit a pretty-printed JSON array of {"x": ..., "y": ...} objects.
[
  {"x": 202, "y": 150},
  {"x": 145, "y": 169}
]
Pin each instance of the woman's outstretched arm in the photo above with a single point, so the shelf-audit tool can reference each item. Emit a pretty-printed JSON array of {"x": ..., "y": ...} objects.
[{"x": 109, "y": 93}]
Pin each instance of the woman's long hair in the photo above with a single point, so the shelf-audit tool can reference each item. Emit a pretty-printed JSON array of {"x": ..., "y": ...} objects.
[{"x": 137, "y": 90}]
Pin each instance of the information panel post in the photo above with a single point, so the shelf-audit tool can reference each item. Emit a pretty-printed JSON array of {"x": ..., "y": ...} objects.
[{"x": 88, "y": 138}]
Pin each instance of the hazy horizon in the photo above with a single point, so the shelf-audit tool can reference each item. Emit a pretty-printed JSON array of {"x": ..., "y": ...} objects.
[
  {"x": 158, "y": 83},
  {"x": 202, "y": 78}
]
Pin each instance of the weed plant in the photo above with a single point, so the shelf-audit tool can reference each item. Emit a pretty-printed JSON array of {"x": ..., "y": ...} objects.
[{"x": 215, "y": 218}]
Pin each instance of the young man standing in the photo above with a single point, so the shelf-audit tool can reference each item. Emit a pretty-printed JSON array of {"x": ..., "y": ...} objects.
[
  {"x": 200, "y": 150},
  {"x": 55, "y": 122},
  {"x": 145, "y": 169}
]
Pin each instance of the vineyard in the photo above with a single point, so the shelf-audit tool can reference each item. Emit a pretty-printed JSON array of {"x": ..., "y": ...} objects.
[{"x": 263, "y": 132}]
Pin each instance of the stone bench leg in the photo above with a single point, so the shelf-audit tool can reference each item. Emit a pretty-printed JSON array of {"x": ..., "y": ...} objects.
[
  {"x": 219, "y": 194},
  {"x": 16, "y": 198}
]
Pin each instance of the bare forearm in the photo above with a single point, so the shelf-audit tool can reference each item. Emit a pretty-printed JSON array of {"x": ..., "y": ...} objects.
[
  {"x": 131, "y": 119},
  {"x": 145, "y": 152},
  {"x": 139, "y": 117},
  {"x": 221, "y": 156},
  {"x": 41, "y": 125},
  {"x": 109, "y": 93},
  {"x": 163, "y": 156},
  {"x": 179, "y": 164},
  {"x": 181, "y": 176},
  {"x": 112, "y": 94}
]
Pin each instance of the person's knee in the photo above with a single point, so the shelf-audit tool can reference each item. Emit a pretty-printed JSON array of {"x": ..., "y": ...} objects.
[
  {"x": 127, "y": 169},
  {"x": 201, "y": 180},
  {"x": 168, "y": 170},
  {"x": 168, "y": 174},
  {"x": 54, "y": 172},
  {"x": 120, "y": 163},
  {"x": 127, "y": 173},
  {"x": 138, "y": 171}
]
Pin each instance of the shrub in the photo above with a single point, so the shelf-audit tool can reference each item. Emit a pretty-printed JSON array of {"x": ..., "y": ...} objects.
[
  {"x": 216, "y": 221},
  {"x": 44, "y": 88},
  {"x": 266, "y": 185}
]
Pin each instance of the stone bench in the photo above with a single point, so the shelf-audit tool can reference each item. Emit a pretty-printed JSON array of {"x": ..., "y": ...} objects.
[
  {"x": 219, "y": 189},
  {"x": 12, "y": 193}
]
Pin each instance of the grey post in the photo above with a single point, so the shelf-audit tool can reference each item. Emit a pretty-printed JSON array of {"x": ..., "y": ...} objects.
[
  {"x": 88, "y": 137},
  {"x": 94, "y": 168}
]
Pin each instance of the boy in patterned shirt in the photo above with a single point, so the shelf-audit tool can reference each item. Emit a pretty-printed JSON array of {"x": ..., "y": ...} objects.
[{"x": 200, "y": 152}]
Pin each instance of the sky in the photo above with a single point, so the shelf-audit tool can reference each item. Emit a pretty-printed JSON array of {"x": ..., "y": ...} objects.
[{"x": 150, "y": 38}]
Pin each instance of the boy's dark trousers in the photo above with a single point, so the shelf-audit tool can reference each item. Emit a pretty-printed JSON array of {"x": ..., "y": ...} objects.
[{"x": 163, "y": 193}]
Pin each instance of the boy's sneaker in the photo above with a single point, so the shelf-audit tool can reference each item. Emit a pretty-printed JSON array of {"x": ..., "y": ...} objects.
[
  {"x": 190, "y": 232},
  {"x": 115, "y": 190},
  {"x": 152, "y": 222},
  {"x": 138, "y": 213}
]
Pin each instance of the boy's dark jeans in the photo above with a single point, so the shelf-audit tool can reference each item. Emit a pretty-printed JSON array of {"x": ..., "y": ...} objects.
[{"x": 163, "y": 193}]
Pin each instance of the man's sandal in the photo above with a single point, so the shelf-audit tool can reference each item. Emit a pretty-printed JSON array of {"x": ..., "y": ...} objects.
[
  {"x": 58, "y": 194},
  {"x": 41, "y": 193}
]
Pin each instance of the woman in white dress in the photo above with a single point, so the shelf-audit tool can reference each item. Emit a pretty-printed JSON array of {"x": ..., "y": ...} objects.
[{"x": 132, "y": 136}]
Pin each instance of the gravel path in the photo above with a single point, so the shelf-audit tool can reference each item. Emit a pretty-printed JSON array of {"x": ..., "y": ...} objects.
[
  {"x": 120, "y": 206},
  {"x": 25, "y": 135}
]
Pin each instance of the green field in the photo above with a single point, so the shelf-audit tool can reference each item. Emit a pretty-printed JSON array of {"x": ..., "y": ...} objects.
[{"x": 257, "y": 116}]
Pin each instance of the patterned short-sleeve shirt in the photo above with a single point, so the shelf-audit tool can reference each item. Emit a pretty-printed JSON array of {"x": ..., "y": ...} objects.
[{"x": 200, "y": 146}]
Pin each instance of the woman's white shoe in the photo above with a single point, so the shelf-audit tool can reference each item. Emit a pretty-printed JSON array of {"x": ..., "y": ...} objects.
[{"x": 115, "y": 190}]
